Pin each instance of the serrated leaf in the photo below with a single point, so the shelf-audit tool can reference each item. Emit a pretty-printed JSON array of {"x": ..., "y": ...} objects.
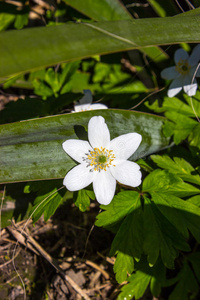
[
  {"x": 194, "y": 258},
  {"x": 186, "y": 285},
  {"x": 123, "y": 266},
  {"x": 195, "y": 200},
  {"x": 178, "y": 166},
  {"x": 161, "y": 237},
  {"x": 172, "y": 104},
  {"x": 138, "y": 283},
  {"x": 181, "y": 126},
  {"x": 182, "y": 214},
  {"x": 194, "y": 137},
  {"x": 155, "y": 275},
  {"x": 121, "y": 205},
  {"x": 163, "y": 181},
  {"x": 129, "y": 238},
  {"x": 32, "y": 150},
  {"x": 83, "y": 199}
]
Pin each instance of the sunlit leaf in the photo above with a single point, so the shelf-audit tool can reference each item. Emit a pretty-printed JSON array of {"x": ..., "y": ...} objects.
[
  {"x": 55, "y": 44},
  {"x": 32, "y": 150}
]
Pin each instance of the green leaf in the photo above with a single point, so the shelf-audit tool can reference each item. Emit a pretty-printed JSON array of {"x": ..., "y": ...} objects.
[
  {"x": 163, "y": 181},
  {"x": 194, "y": 258},
  {"x": 129, "y": 238},
  {"x": 55, "y": 44},
  {"x": 32, "y": 150},
  {"x": 173, "y": 104},
  {"x": 123, "y": 266},
  {"x": 103, "y": 10},
  {"x": 121, "y": 205},
  {"x": 195, "y": 200},
  {"x": 160, "y": 236},
  {"x": 47, "y": 201},
  {"x": 178, "y": 166},
  {"x": 186, "y": 285},
  {"x": 83, "y": 199},
  {"x": 194, "y": 137},
  {"x": 138, "y": 282},
  {"x": 182, "y": 214}
]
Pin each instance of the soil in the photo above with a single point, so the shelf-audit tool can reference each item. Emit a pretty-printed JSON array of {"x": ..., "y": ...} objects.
[{"x": 79, "y": 248}]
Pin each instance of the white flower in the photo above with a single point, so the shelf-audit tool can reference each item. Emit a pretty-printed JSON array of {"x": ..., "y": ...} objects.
[
  {"x": 102, "y": 161},
  {"x": 85, "y": 103},
  {"x": 183, "y": 73}
]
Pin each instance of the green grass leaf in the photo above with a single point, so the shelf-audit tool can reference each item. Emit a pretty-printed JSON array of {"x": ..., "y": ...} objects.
[
  {"x": 46, "y": 46},
  {"x": 32, "y": 150}
]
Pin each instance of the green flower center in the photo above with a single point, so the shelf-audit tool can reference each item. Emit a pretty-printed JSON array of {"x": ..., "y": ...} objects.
[
  {"x": 100, "y": 159},
  {"x": 183, "y": 67}
]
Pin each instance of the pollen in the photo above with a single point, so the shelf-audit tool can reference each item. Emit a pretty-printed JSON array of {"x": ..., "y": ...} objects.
[
  {"x": 100, "y": 159},
  {"x": 183, "y": 67}
]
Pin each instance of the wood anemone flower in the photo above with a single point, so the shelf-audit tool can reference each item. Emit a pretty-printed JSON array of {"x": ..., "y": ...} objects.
[
  {"x": 102, "y": 161},
  {"x": 184, "y": 73}
]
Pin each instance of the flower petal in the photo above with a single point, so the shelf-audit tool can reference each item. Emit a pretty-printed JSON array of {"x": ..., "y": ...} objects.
[
  {"x": 169, "y": 73},
  {"x": 125, "y": 145},
  {"x": 82, "y": 107},
  {"x": 98, "y": 133},
  {"x": 98, "y": 106},
  {"x": 77, "y": 149},
  {"x": 175, "y": 87},
  {"x": 104, "y": 186},
  {"x": 127, "y": 172},
  {"x": 78, "y": 178},
  {"x": 180, "y": 54},
  {"x": 190, "y": 88},
  {"x": 195, "y": 56},
  {"x": 87, "y": 98}
]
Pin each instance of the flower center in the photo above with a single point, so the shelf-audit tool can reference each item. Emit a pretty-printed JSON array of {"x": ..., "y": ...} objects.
[
  {"x": 183, "y": 67},
  {"x": 99, "y": 159}
]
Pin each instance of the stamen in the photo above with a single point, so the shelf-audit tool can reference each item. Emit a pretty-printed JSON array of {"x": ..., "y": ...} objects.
[
  {"x": 99, "y": 159},
  {"x": 183, "y": 67}
]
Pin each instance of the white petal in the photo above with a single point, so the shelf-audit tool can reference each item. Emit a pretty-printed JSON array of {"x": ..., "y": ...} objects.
[
  {"x": 104, "y": 186},
  {"x": 190, "y": 89},
  {"x": 175, "y": 87},
  {"x": 98, "y": 133},
  {"x": 77, "y": 149},
  {"x": 195, "y": 56},
  {"x": 98, "y": 106},
  {"x": 87, "y": 98},
  {"x": 169, "y": 73},
  {"x": 127, "y": 173},
  {"x": 82, "y": 107},
  {"x": 125, "y": 145},
  {"x": 78, "y": 178},
  {"x": 180, "y": 54}
]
